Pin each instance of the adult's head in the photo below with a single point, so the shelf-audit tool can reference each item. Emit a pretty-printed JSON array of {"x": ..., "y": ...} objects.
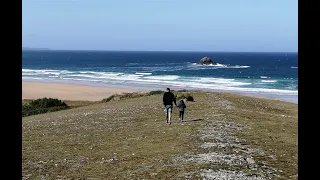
[{"x": 168, "y": 89}]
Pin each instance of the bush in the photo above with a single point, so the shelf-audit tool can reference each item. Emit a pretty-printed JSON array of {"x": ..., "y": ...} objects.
[
  {"x": 117, "y": 97},
  {"x": 180, "y": 96},
  {"x": 109, "y": 98},
  {"x": 155, "y": 92},
  {"x": 43, "y": 105},
  {"x": 190, "y": 98},
  {"x": 130, "y": 95},
  {"x": 184, "y": 96},
  {"x": 47, "y": 103}
]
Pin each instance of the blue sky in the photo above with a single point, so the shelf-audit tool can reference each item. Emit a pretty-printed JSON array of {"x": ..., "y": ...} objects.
[{"x": 161, "y": 25}]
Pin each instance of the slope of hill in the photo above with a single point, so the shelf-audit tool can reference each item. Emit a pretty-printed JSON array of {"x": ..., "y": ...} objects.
[{"x": 224, "y": 136}]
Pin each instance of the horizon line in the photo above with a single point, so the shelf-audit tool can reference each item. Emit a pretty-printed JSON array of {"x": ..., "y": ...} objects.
[{"x": 48, "y": 49}]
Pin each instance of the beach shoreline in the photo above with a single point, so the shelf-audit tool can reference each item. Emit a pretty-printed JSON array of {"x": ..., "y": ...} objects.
[
  {"x": 72, "y": 92},
  {"x": 67, "y": 90}
]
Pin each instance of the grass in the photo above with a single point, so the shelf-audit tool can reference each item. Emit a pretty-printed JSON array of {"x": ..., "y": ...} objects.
[
  {"x": 271, "y": 125},
  {"x": 127, "y": 138}
]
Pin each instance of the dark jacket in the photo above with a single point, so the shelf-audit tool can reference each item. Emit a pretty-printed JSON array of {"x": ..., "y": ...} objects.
[
  {"x": 168, "y": 98},
  {"x": 181, "y": 106}
]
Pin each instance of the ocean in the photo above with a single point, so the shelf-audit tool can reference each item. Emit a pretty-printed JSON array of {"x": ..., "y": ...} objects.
[{"x": 264, "y": 74}]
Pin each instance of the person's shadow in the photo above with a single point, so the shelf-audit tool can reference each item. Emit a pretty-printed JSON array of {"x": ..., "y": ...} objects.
[{"x": 192, "y": 120}]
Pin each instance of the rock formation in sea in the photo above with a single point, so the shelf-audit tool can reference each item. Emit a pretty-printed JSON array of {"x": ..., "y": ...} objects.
[{"x": 206, "y": 61}]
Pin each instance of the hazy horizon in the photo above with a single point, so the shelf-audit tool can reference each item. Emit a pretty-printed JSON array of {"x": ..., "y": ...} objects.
[
  {"x": 48, "y": 49},
  {"x": 179, "y": 26}
]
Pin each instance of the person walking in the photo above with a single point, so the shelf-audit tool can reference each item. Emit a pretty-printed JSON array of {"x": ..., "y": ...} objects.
[
  {"x": 182, "y": 106},
  {"x": 168, "y": 98}
]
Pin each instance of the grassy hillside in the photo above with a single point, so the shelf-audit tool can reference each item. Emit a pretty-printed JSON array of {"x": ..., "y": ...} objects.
[{"x": 224, "y": 135}]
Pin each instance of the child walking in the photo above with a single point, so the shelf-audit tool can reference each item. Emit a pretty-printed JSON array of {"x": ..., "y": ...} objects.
[{"x": 181, "y": 107}]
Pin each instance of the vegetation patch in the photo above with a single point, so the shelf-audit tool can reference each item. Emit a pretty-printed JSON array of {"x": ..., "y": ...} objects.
[
  {"x": 155, "y": 92},
  {"x": 186, "y": 96},
  {"x": 117, "y": 97},
  {"x": 43, "y": 105}
]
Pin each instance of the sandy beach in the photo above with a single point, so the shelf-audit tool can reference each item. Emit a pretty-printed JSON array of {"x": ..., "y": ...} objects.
[
  {"x": 68, "y": 91},
  {"x": 34, "y": 90}
]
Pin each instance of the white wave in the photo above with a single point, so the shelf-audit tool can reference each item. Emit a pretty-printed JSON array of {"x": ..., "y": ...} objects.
[
  {"x": 143, "y": 73},
  {"x": 269, "y": 81},
  {"x": 27, "y": 70},
  {"x": 218, "y": 65},
  {"x": 50, "y": 73},
  {"x": 32, "y": 78},
  {"x": 37, "y": 70},
  {"x": 121, "y": 77},
  {"x": 237, "y": 66},
  {"x": 82, "y": 75},
  {"x": 167, "y": 77},
  {"x": 294, "y": 67},
  {"x": 76, "y": 79},
  {"x": 128, "y": 77},
  {"x": 107, "y": 74},
  {"x": 216, "y": 80},
  {"x": 230, "y": 88},
  {"x": 229, "y": 66},
  {"x": 149, "y": 81},
  {"x": 144, "y": 78},
  {"x": 29, "y": 74},
  {"x": 45, "y": 71},
  {"x": 226, "y": 82},
  {"x": 135, "y": 75},
  {"x": 85, "y": 72},
  {"x": 110, "y": 76},
  {"x": 89, "y": 72}
]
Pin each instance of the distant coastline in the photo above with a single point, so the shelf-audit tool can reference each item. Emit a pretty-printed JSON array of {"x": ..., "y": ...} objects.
[{"x": 34, "y": 49}]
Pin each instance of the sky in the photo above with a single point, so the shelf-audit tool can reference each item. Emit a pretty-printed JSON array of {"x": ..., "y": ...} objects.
[{"x": 161, "y": 25}]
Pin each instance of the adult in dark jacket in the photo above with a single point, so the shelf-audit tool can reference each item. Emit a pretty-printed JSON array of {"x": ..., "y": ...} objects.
[{"x": 168, "y": 99}]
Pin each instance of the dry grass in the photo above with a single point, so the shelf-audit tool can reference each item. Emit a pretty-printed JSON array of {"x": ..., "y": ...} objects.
[{"x": 128, "y": 139}]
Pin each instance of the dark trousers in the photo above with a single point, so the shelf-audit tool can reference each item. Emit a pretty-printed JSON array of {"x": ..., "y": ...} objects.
[{"x": 181, "y": 113}]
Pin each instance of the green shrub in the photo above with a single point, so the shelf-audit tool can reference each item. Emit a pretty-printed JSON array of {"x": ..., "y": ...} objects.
[
  {"x": 108, "y": 98},
  {"x": 130, "y": 95},
  {"x": 47, "y": 103},
  {"x": 155, "y": 92},
  {"x": 183, "y": 90},
  {"x": 190, "y": 98},
  {"x": 122, "y": 96},
  {"x": 180, "y": 96},
  {"x": 43, "y": 105}
]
